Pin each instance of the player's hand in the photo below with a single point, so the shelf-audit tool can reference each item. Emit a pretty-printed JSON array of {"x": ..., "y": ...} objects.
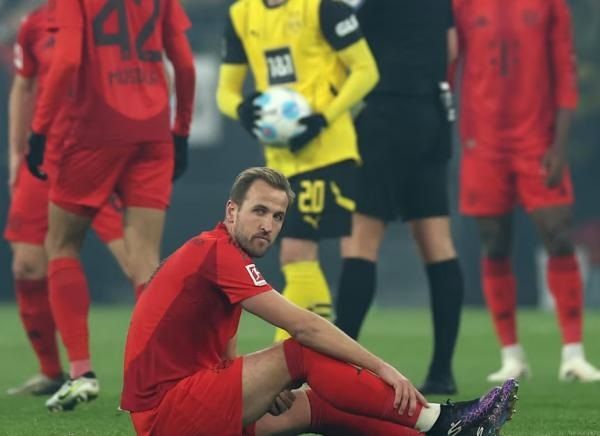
[
  {"x": 282, "y": 403},
  {"x": 314, "y": 124},
  {"x": 407, "y": 396},
  {"x": 35, "y": 155},
  {"x": 249, "y": 113},
  {"x": 181, "y": 155},
  {"x": 554, "y": 163}
]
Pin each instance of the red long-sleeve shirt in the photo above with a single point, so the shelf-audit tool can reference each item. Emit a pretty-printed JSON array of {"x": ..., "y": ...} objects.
[
  {"x": 518, "y": 70},
  {"x": 114, "y": 52}
]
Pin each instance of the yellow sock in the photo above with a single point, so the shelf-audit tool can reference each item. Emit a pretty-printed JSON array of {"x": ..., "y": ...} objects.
[{"x": 306, "y": 286}]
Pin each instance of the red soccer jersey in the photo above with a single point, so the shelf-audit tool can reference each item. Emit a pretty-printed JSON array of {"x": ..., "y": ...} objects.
[
  {"x": 186, "y": 316},
  {"x": 121, "y": 94},
  {"x": 518, "y": 69},
  {"x": 32, "y": 56}
]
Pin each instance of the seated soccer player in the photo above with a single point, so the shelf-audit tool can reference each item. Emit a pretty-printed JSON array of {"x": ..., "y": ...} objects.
[{"x": 183, "y": 375}]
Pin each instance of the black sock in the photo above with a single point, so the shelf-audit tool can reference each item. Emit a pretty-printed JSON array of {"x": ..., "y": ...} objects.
[
  {"x": 446, "y": 289},
  {"x": 355, "y": 294}
]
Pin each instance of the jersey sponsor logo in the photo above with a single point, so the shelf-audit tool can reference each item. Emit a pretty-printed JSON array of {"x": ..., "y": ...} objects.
[
  {"x": 255, "y": 275},
  {"x": 281, "y": 66},
  {"x": 18, "y": 56},
  {"x": 346, "y": 26}
]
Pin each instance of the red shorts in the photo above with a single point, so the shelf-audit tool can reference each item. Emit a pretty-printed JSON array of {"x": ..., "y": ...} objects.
[
  {"x": 207, "y": 403},
  {"x": 27, "y": 220},
  {"x": 139, "y": 173},
  {"x": 492, "y": 185}
]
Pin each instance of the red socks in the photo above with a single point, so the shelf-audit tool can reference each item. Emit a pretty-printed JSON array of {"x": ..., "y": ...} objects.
[
  {"x": 328, "y": 420},
  {"x": 70, "y": 301},
  {"x": 344, "y": 386},
  {"x": 500, "y": 291},
  {"x": 564, "y": 280},
  {"x": 36, "y": 315}
]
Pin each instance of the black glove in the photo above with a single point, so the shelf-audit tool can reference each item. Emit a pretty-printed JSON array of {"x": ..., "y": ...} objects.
[
  {"x": 181, "y": 155},
  {"x": 314, "y": 123},
  {"x": 249, "y": 112},
  {"x": 35, "y": 156}
]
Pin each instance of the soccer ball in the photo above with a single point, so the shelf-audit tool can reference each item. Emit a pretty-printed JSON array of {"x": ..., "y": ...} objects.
[{"x": 280, "y": 110}]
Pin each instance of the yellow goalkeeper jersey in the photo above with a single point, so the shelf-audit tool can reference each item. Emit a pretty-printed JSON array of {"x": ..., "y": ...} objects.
[{"x": 313, "y": 46}]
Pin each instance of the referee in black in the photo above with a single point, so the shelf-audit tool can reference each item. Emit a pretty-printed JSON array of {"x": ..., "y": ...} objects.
[{"x": 404, "y": 135}]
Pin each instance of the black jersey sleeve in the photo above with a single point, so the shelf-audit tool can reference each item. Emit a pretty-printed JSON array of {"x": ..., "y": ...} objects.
[
  {"x": 339, "y": 24},
  {"x": 232, "y": 51}
]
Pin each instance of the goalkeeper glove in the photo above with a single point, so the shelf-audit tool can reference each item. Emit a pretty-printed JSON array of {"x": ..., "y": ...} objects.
[
  {"x": 181, "y": 155},
  {"x": 35, "y": 156},
  {"x": 249, "y": 113},
  {"x": 314, "y": 124}
]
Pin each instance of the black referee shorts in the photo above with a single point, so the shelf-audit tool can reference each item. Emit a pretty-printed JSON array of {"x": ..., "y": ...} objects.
[
  {"x": 405, "y": 144},
  {"x": 325, "y": 201}
]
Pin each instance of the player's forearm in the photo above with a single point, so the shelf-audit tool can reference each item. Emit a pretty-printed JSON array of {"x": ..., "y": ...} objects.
[
  {"x": 561, "y": 129},
  {"x": 180, "y": 54},
  {"x": 363, "y": 76},
  {"x": 323, "y": 336},
  {"x": 64, "y": 66},
  {"x": 20, "y": 112},
  {"x": 229, "y": 90}
]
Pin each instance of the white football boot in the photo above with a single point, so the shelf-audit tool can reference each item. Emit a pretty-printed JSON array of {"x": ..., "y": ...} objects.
[
  {"x": 514, "y": 365},
  {"x": 574, "y": 366},
  {"x": 39, "y": 384},
  {"x": 74, "y": 391}
]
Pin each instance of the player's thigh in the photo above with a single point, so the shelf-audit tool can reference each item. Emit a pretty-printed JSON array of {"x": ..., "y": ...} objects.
[
  {"x": 146, "y": 181},
  {"x": 264, "y": 376},
  {"x": 206, "y": 403},
  {"x": 66, "y": 232},
  {"x": 297, "y": 250},
  {"x": 27, "y": 219},
  {"x": 88, "y": 175},
  {"x": 532, "y": 191},
  {"x": 296, "y": 420},
  {"x": 367, "y": 236},
  {"x": 486, "y": 184},
  {"x": 434, "y": 238},
  {"x": 324, "y": 203}
]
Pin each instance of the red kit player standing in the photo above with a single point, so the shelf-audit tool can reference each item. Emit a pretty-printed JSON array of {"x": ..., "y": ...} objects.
[
  {"x": 27, "y": 222},
  {"x": 517, "y": 100},
  {"x": 119, "y": 141}
]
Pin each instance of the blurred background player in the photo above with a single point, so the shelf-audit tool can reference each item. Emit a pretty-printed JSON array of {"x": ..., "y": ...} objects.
[
  {"x": 518, "y": 95},
  {"x": 119, "y": 140},
  {"x": 315, "y": 47},
  {"x": 404, "y": 137},
  {"x": 199, "y": 384},
  {"x": 28, "y": 216}
]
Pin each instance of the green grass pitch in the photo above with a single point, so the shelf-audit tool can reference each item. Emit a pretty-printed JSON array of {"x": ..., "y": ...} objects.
[{"x": 402, "y": 337}]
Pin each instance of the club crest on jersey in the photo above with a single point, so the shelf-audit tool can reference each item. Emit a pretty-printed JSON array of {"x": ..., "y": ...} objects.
[
  {"x": 255, "y": 275},
  {"x": 281, "y": 66}
]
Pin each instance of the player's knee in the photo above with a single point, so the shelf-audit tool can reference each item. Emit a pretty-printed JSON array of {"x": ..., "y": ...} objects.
[
  {"x": 28, "y": 267},
  {"x": 559, "y": 243},
  {"x": 494, "y": 244},
  {"x": 140, "y": 268}
]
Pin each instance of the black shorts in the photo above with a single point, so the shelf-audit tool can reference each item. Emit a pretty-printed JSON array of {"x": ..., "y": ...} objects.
[
  {"x": 405, "y": 144},
  {"x": 325, "y": 200}
]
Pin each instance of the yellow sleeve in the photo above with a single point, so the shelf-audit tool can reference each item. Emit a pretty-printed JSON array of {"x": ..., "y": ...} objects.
[
  {"x": 229, "y": 90},
  {"x": 363, "y": 76}
]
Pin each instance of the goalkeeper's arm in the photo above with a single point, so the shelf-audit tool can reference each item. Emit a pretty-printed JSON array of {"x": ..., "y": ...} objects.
[{"x": 363, "y": 76}]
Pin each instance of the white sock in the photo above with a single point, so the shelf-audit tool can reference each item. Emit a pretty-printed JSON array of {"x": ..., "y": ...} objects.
[
  {"x": 428, "y": 417},
  {"x": 513, "y": 352},
  {"x": 572, "y": 351}
]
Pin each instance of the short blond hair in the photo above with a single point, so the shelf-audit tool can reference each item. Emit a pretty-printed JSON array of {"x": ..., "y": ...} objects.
[{"x": 246, "y": 178}]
